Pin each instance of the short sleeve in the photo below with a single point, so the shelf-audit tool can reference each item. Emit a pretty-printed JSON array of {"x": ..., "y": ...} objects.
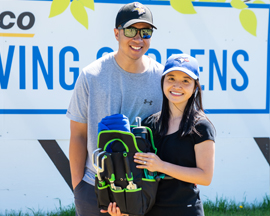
[
  {"x": 206, "y": 131},
  {"x": 78, "y": 107}
]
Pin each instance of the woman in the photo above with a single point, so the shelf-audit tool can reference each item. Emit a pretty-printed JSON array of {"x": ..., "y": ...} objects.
[{"x": 184, "y": 137}]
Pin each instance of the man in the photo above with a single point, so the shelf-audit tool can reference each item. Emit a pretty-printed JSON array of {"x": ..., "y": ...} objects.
[{"x": 126, "y": 82}]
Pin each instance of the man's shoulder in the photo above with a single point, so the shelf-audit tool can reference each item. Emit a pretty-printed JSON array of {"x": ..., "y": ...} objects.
[
  {"x": 156, "y": 65},
  {"x": 97, "y": 65}
]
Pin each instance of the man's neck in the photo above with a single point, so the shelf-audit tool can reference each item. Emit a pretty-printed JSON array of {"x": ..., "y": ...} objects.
[{"x": 131, "y": 65}]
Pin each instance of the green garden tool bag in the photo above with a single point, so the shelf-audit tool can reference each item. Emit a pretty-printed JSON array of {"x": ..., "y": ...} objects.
[{"x": 118, "y": 180}]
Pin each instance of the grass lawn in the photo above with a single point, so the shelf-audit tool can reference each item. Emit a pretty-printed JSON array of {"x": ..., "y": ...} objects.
[{"x": 221, "y": 207}]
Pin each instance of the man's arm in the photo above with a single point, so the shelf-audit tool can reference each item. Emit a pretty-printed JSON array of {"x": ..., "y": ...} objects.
[{"x": 77, "y": 151}]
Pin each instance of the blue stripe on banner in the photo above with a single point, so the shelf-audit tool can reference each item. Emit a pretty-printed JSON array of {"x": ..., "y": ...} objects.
[
  {"x": 227, "y": 4},
  {"x": 63, "y": 111},
  {"x": 33, "y": 111},
  {"x": 268, "y": 70},
  {"x": 126, "y": 2},
  {"x": 150, "y": 2},
  {"x": 236, "y": 111}
]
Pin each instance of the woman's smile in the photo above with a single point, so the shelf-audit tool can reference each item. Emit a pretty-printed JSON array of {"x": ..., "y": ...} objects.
[{"x": 176, "y": 93}]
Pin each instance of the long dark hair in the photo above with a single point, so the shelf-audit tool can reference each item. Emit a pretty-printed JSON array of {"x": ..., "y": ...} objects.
[{"x": 192, "y": 113}]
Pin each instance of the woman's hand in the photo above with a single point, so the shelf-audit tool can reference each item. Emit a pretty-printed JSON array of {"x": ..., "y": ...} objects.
[
  {"x": 113, "y": 210},
  {"x": 148, "y": 161}
]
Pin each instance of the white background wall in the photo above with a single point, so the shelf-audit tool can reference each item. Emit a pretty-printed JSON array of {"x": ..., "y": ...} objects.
[{"x": 29, "y": 179}]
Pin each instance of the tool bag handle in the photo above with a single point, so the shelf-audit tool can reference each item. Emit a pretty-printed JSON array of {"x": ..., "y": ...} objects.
[
  {"x": 151, "y": 137},
  {"x": 107, "y": 136}
]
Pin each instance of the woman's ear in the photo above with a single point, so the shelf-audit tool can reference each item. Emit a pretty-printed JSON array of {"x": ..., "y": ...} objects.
[{"x": 116, "y": 33}]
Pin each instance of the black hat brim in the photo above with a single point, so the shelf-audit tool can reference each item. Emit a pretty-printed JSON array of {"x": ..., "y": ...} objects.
[{"x": 133, "y": 21}]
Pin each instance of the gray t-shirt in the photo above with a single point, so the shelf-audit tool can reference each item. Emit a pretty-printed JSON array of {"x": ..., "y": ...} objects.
[{"x": 103, "y": 89}]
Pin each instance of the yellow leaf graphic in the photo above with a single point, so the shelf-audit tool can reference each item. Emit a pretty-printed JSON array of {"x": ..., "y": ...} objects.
[
  {"x": 238, "y": 4},
  {"x": 88, "y": 4},
  {"x": 183, "y": 6},
  {"x": 249, "y": 21},
  {"x": 58, "y": 7},
  {"x": 78, "y": 11},
  {"x": 212, "y": 0},
  {"x": 258, "y": 2}
]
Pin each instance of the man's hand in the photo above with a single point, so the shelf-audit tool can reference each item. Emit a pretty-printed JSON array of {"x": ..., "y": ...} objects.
[{"x": 75, "y": 182}]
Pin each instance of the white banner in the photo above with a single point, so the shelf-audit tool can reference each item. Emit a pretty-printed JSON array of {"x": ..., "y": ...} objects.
[
  {"x": 40, "y": 70},
  {"x": 43, "y": 49}
]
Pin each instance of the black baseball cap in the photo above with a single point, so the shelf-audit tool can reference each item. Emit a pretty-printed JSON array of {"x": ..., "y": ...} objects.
[{"x": 133, "y": 13}]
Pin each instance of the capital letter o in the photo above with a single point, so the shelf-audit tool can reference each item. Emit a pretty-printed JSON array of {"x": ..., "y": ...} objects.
[{"x": 31, "y": 20}]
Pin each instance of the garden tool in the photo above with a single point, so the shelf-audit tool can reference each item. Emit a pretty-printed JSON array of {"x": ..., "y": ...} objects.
[
  {"x": 141, "y": 132},
  {"x": 131, "y": 185},
  {"x": 101, "y": 169},
  {"x": 94, "y": 157},
  {"x": 111, "y": 174}
]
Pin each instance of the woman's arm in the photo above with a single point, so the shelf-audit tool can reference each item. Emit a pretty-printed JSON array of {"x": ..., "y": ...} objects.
[{"x": 202, "y": 174}]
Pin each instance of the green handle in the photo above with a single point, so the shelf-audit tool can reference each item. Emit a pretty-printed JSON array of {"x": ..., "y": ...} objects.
[
  {"x": 127, "y": 168},
  {"x": 110, "y": 168}
]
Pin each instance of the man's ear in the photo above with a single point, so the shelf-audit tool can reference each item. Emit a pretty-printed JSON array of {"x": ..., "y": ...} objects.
[{"x": 116, "y": 33}]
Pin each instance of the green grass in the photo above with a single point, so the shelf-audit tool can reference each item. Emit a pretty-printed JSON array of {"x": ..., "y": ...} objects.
[
  {"x": 221, "y": 207},
  {"x": 60, "y": 211}
]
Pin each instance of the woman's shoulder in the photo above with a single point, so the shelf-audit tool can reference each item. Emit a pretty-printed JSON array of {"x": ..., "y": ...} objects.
[
  {"x": 204, "y": 122},
  {"x": 205, "y": 130}
]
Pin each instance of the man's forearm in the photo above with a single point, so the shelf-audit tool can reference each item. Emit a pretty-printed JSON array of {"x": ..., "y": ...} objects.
[{"x": 77, "y": 158}]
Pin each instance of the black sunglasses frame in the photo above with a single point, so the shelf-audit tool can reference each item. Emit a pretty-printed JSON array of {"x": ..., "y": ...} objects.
[{"x": 140, "y": 31}]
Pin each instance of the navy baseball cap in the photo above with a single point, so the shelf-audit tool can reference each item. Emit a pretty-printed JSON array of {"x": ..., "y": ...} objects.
[
  {"x": 133, "y": 13},
  {"x": 184, "y": 63}
]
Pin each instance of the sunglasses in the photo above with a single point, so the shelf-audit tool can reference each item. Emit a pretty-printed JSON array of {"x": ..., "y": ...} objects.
[{"x": 131, "y": 32}]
